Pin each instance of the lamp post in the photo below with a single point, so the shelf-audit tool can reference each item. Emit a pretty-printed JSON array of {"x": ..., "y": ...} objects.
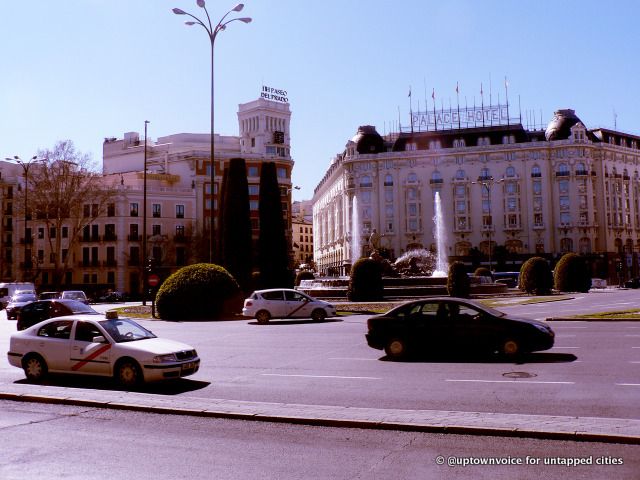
[
  {"x": 213, "y": 33},
  {"x": 486, "y": 182},
  {"x": 144, "y": 220},
  {"x": 25, "y": 167}
]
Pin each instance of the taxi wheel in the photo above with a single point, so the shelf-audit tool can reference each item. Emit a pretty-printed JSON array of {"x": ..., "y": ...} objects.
[
  {"x": 318, "y": 315},
  {"x": 396, "y": 348},
  {"x": 128, "y": 373},
  {"x": 35, "y": 368},
  {"x": 263, "y": 317}
]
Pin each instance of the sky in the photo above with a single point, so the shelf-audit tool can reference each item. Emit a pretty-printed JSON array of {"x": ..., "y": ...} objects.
[{"x": 84, "y": 70}]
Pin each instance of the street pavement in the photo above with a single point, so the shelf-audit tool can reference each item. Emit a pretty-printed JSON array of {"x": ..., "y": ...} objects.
[{"x": 581, "y": 428}]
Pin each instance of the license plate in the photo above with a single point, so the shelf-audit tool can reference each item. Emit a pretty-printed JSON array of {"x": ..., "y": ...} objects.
[{"x": 188, "y": 366}]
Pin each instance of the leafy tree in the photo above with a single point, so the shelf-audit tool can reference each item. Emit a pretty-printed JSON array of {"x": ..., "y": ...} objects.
[
  {"x": 273, "y": 249},
  {"x": 66, "y": 195},
  {"x": 236, "y": 229}
]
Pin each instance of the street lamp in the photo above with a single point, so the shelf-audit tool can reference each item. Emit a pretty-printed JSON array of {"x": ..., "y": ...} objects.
[
  {"x": 144, "y": 220},
  {"x": 26, "y": 165},
  {"x": 212, "y": 32},
  {"x": 486, "y": 182}
]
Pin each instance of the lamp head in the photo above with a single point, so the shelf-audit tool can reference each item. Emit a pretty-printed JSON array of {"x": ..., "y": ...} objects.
[
  {"x": 237, "y": 8},
  {"x": 245, "y": 19},
  {"x": 200, "y": 3},
  {"x": 177, "y": 11},
  {"x": 189, "y": 23}
]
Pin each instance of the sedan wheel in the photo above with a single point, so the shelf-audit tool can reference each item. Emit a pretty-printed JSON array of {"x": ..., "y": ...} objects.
[
  {"x": 35, "y": 368},
  {"x": 128, "y": 374},
  {"x": 263, "y": 317},
  {"x": 396, "y": 348},
  {"x": 318, "y": 315},
  {"x": 510, "y": 347}
]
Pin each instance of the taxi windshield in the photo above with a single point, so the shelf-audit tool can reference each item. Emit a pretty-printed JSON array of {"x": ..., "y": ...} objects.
[{"x": 122, "y": 330}]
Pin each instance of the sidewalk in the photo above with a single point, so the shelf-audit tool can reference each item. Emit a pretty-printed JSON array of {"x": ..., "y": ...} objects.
[{"x": 609, "y": 430}]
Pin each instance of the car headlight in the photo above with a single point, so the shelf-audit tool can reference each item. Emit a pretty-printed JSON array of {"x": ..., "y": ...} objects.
[{"x": 170, "y": 357}]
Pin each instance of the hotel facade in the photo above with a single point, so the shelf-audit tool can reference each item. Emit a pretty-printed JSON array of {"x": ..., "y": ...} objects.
[
  {"x": 504, "y": 189},
  {"x": 179, "y": 199}
]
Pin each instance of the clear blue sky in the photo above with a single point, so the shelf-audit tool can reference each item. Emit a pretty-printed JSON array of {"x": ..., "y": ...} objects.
[{"x": 88, "y": 69}]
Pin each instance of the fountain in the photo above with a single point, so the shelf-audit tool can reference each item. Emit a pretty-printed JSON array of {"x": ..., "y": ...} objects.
[
  {"x": 442, "y": 267},
  {"x": 416, "y": 273},
  {"x": 356, "y": 248}
]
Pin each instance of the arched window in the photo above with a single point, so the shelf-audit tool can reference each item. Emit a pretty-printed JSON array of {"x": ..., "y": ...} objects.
[
  {"x": 485, "y": 174},
  {"x": 436, "y": 177},
  {"x": 536, "y": 172},
  {"x": 388, "y": 180},
  {"x": 412, "y": 178},
  {"x": 511, "y": 172},
  {"x": 365, "y": 181},
  {"x": 563, "y": 170},
  {"x": 581, "y": 169},
  {"x": 460, "y": 175}
]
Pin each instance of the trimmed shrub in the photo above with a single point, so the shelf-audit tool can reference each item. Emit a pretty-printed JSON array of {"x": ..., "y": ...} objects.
[
  {"x": 365, "y": 283},
  {"x": 571, "y": 274},
  {"x": 535, "y": 277},
  {"x": 199, "y": 291},
  {"x": 482, "y": 272},
  {"x": 458, "y": 282},
  {"x": 304, "y": 275}
]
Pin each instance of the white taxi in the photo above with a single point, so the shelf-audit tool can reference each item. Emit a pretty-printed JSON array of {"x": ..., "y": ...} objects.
[
  {"x": 110, "y": 346},
  {"x": 263, "y": 305}
]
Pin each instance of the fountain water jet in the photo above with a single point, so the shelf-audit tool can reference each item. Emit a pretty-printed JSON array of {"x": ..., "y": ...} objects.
[{"x": 442, "y": 266}]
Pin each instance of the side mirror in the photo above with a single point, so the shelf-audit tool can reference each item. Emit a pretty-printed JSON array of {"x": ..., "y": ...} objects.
[{"x": 99, "y": 339}]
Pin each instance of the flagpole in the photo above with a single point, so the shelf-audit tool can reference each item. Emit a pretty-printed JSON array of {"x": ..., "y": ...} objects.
[
  {"x": 435, "y": 118},
  {"x": 506, "y": 94},
  {"x": 410, "y": 110},
  {"x": 482, "y": 103},
  {"x": 458, "y": 100}
]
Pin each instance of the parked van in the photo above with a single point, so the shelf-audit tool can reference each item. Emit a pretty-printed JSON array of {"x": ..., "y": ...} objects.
[{"x": 9, "y": 289}]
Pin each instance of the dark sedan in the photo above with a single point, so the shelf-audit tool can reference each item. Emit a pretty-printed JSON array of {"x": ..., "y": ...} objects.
[
  {"x": 17, "y": 302},
  {"x": 455, "y": 326},
  {"x": 36, "y": 312}
]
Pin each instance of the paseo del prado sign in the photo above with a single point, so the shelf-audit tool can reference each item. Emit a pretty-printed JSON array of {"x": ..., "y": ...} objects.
[{"x": 274, "y": 94}]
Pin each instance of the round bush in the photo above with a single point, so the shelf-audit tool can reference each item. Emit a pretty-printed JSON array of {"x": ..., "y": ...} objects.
[
  {"x": 535, "y": 277},
  {"x": 458, "y": 282},
  {"x": 571, "y": 274},
  {"x": 365, "y": 283},
  {"x": 482, "y": 272},
  {"x": 304, "y": 275},
  {"x": 199, "y": 291}
]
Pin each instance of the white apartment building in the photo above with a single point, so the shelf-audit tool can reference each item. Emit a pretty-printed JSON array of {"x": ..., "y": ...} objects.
[
  {"x": 532, "y": 191},
  {"x": 179, "y": 199}
]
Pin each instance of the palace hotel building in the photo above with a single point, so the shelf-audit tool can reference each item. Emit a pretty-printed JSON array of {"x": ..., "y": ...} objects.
[{"x": 541, "y": 191}]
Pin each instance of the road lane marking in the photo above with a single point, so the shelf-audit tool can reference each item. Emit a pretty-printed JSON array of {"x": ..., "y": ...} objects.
[
  {"x": 563, "y": 335},
  {"x": 634, "y": 335},
  {"x": 565, "y": 348},
  {"x": 511, "y": 381},
  {"x": 628, "y": 384},
  {"x": 319, "y": 376},
  {"x": 349, "y": 358}
]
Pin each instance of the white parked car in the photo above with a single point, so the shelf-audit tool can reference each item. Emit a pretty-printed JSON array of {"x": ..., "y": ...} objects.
[
  {"x": 77, "y": 295},
  {"x": 263, "y": 305},
  {"x": 111, "y": 347}
]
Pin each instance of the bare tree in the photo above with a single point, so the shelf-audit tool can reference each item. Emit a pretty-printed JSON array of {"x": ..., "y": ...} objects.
[{"x": 65, "y": 195}]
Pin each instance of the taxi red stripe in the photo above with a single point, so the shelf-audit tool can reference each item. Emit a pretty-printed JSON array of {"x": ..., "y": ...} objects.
[
  {"x": 301, "y": 306},
  {"x": 83, "y": 362}
]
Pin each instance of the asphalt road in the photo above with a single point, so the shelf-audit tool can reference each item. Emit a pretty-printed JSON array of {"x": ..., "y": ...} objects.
[
  {"x": 592, "y": 370},
  {"x": 55, "y": 441}
]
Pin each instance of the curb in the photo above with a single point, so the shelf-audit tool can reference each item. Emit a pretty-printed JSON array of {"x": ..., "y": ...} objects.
[{"x": 327, "y": 421}]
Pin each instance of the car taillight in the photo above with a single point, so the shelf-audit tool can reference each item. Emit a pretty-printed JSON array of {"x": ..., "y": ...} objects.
[
  {"x": 248, "y": 303},
  {"x": 369, "y": 322}
]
